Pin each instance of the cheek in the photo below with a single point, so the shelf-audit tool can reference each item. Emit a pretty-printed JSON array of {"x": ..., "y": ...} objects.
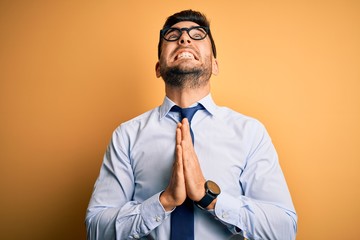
[
  {"x": 164, "y": 57},
  {"x": 166, "y": 49},
  {"x": 205, "y": 49}
]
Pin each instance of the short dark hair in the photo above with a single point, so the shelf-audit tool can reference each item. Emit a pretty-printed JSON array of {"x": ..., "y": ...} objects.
[{"x": 192, "y": 16}]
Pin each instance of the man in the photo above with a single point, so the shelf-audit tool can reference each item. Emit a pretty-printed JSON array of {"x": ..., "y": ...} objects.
[{"x": 217, "y": 160}]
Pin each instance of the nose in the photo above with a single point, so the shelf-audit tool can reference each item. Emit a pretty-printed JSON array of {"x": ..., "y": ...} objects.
[{"x": 184, "y": 38}]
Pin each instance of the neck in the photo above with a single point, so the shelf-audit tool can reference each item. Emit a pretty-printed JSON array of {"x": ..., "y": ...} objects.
[{"x": 185, "y": 97}]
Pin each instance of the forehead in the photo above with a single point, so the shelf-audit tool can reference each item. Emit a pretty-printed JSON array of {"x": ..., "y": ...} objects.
[{"x": 185, "y": 24}]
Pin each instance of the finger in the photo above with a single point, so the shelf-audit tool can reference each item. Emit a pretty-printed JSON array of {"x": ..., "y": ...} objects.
[
  {"x": 178, "y": 168},
  {"x": 187, "y": 152},
  {"x": 178, "y": 134},
  {"x": 179, "y": 157},
  {"x": 186, "y": 143},
  {"x": 186, "y": 136}
]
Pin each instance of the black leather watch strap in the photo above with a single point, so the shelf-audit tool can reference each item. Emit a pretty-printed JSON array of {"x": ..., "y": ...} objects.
[
  {"x": 205, "y": 201},
  {"x": 212, "y": 190}
]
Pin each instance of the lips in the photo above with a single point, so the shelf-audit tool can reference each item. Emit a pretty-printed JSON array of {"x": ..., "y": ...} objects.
[{"x": 185, "y": 55}]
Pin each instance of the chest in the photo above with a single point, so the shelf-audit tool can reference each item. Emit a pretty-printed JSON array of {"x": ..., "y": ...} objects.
[{"x": 220, "y": 149}]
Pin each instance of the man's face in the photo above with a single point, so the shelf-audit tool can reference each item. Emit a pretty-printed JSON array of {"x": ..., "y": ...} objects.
[{"x": 186, "y": 62}]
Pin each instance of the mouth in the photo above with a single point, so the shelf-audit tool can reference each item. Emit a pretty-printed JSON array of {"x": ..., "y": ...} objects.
[{"x": 185, "y": 55}]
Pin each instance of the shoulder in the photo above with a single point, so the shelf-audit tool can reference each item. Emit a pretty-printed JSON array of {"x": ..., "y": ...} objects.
[
  {"x": 243, "y": 125},
  {"x": 139, "y": 121},
  {"x": 129, "y": 129},
  {"x": 229, "y": 116}
]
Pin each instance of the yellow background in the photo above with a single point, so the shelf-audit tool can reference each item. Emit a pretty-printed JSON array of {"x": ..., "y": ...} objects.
[{"x": 71, "y": 71}]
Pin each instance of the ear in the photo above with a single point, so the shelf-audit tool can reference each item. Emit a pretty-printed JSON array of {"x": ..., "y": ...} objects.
[
  {"x": 215, "y": 67},
  {"x": 157, "y": 70}
]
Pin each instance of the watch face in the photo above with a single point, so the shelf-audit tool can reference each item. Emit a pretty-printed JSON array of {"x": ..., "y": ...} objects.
[{"x": 213, "y": 187}]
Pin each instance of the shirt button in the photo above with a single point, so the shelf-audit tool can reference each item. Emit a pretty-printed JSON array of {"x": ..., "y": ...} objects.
[
  {"x": 225, "y": 215},
  {"x": 157, "y": 218}
]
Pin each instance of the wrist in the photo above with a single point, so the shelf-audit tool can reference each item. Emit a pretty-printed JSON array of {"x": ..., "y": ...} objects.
[
  {"x": 166, "y": 202},
  {"x": 212, "y": 205},
  {"x": 208, "y": 201}
]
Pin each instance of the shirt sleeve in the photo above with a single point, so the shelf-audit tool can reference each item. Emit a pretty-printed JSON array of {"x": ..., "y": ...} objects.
[
  {"x": 112, "y": 214},
  {"x": 265, "y": 210}
]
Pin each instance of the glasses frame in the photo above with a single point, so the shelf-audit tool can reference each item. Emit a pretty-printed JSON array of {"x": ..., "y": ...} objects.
[{"x": 181, "y": 30}]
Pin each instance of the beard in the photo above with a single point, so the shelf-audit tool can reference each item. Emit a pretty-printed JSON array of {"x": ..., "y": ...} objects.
[{"x": 186, "y": 77}]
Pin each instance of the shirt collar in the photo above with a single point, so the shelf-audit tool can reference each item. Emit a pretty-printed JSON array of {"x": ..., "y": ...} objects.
[{"x": 207, "y": 102}]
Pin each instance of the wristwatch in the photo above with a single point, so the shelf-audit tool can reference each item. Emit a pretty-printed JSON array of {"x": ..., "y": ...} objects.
[{"x": 212, "y": 190}]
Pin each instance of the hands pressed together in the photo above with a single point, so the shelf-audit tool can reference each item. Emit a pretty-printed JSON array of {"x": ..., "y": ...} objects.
[{"x": 187, "y": 179}]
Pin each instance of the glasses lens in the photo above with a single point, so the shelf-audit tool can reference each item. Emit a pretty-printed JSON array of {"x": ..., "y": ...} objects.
[
  {"x": 197, "y": 33},
  {"x": 172, "y": 34}
]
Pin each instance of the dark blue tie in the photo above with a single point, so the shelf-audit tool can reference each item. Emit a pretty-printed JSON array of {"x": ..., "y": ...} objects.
[
  {"x": 182, "y": 218},
  {"x": 188, "y": 113}
]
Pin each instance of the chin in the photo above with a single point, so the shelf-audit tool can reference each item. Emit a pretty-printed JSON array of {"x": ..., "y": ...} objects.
[{"x": 187, "y": 66}]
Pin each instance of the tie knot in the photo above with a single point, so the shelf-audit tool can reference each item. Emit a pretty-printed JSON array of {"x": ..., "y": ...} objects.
[{"x": 187, "y": 112}]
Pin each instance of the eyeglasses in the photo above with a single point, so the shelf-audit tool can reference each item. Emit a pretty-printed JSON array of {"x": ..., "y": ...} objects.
[{"x": 174, "y": 34}]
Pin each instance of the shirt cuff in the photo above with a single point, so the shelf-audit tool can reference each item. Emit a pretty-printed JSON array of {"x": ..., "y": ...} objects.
[
  {"x": 228, "y": 210},
  {"x": 152, "y": 212}
]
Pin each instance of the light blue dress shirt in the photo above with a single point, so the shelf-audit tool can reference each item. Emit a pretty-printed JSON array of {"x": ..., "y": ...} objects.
[{"x": 234, "y": 150}]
